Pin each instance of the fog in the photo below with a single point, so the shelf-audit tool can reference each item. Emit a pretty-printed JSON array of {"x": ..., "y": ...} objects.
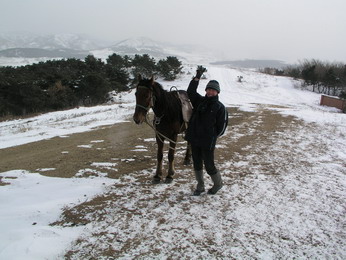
[{"x": 237, "y": 29}]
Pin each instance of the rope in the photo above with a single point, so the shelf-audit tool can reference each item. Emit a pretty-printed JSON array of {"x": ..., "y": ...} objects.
[{"x": 159, "y": 135}]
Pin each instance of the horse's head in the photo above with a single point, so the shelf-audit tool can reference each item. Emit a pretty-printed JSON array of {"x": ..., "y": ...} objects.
[{"x": 144, "y": 99}]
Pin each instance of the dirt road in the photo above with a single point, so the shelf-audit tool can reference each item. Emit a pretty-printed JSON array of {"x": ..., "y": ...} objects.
[
  {"x": 67, "y": 155},
  {"x": 117, "y": 149}
]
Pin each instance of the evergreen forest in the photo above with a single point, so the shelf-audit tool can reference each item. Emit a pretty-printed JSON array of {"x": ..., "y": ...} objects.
[{"x": 63, "y": 84}]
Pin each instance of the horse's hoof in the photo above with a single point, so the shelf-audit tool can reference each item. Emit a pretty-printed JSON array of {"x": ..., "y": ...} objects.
[
  {"x": 156, "y": 181},
  {"x": 168, "y": 180}
]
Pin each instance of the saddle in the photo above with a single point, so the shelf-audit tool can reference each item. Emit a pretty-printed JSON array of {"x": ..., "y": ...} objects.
[{"x": 186, "y": 105}]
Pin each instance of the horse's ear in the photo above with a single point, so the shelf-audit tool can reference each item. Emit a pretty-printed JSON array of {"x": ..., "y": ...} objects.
[
  {"x": 139, "y": 77},
  {"x": 152, "y": 80}
]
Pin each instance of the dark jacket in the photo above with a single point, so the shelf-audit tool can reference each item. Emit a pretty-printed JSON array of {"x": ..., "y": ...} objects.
[{"x": 208, "y": 121}]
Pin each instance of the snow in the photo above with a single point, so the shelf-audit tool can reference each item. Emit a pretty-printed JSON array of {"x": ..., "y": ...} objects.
[
  {"x": 139, "y": 43},
  {"x": 16, "y": 62},
  {"x": 62, "y": 123},
  {"x": 28, "y": 206},
  {"x": 299, "y": 214}
]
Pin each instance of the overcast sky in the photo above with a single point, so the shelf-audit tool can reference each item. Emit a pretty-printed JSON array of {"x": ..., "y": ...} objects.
[{"x": 288, "y": 30}]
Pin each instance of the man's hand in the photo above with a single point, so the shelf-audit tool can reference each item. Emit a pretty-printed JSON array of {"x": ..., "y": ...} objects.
[{"x": 200, "y": 70}]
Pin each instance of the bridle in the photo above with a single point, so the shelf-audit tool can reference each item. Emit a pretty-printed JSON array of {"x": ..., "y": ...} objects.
[
  {"x": 157, "y": 120},
  {"x": 152, "y": 99}
]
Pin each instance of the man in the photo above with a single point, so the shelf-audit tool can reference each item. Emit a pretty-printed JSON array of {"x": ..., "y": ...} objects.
[{"x": 208, "y": 121}]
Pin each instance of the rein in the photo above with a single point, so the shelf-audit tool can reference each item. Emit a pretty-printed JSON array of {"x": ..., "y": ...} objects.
[
  {"x": 157, "y": 120},
  {"x": 159, "y": 135}
]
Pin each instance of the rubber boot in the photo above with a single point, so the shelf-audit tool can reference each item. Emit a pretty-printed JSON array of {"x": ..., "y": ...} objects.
[
  {"x": 200, "y": 183},
  {"x": 216, "y": 178}
]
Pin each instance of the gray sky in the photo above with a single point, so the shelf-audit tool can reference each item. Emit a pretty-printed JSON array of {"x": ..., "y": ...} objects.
[{"x": 288, "y": 30}]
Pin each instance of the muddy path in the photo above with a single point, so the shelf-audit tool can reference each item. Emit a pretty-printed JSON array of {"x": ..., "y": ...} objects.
[
  {"x": 66, "y": 156},
  {"x": 126, "y": 147}
]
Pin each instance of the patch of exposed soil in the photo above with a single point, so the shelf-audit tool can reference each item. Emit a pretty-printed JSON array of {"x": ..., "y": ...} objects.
[
  {"x": 123, "y": 148},
  {"x": 85, "y": 152}
]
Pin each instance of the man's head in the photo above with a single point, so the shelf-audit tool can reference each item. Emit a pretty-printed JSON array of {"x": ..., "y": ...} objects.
[{"x": 212, "y": 88}]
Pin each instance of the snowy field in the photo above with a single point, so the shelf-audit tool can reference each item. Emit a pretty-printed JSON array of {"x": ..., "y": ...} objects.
[{"x": 298, "y": 213}]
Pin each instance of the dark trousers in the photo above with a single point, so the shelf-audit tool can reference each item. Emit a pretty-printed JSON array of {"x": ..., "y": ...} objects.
[{"x": 205, "y": 156}]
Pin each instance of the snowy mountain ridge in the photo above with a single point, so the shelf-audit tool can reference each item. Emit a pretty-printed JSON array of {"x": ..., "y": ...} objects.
[
  {"x": 29, "y": 47},
  {"x": 50, "y": 41},
  {"x": 138, "y": 43}
]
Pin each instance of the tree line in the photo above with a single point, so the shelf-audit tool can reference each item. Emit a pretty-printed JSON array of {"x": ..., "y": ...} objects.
[
  {"x": 62, "y": 84},
  {"x": 323, "y": 77}
]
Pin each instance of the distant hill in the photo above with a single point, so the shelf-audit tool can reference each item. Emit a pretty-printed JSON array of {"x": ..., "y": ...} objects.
[
  {"x": 253, "y": 63},
  {"x": 38, "y": 53},
  {"x": 74, "y": 46},
  {"x": 156, "y": 49},
  {"x": 139, "y": 45},
  {"x": 52, "y": 41},
  {"x": 27, "y": 45}
]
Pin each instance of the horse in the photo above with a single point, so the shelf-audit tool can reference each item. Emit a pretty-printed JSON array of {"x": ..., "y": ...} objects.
[{"x": 168, "y": 120}]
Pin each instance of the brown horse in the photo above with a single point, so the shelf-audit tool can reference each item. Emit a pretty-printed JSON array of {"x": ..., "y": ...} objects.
[{"x": 168, "y": 120}]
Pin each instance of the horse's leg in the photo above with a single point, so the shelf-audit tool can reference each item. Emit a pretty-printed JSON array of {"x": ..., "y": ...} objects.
[
  {"x": 158, "y": 174},
  {"x": 187, "y": 159},
  {"x": 171, "y": 153}
]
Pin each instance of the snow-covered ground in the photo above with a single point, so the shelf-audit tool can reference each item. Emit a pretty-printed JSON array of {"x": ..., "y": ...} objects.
[{"x": 300, "y": 213}]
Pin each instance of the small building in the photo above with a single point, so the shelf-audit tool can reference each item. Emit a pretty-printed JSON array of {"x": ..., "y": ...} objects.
[{"x": 332, "y": 101}]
